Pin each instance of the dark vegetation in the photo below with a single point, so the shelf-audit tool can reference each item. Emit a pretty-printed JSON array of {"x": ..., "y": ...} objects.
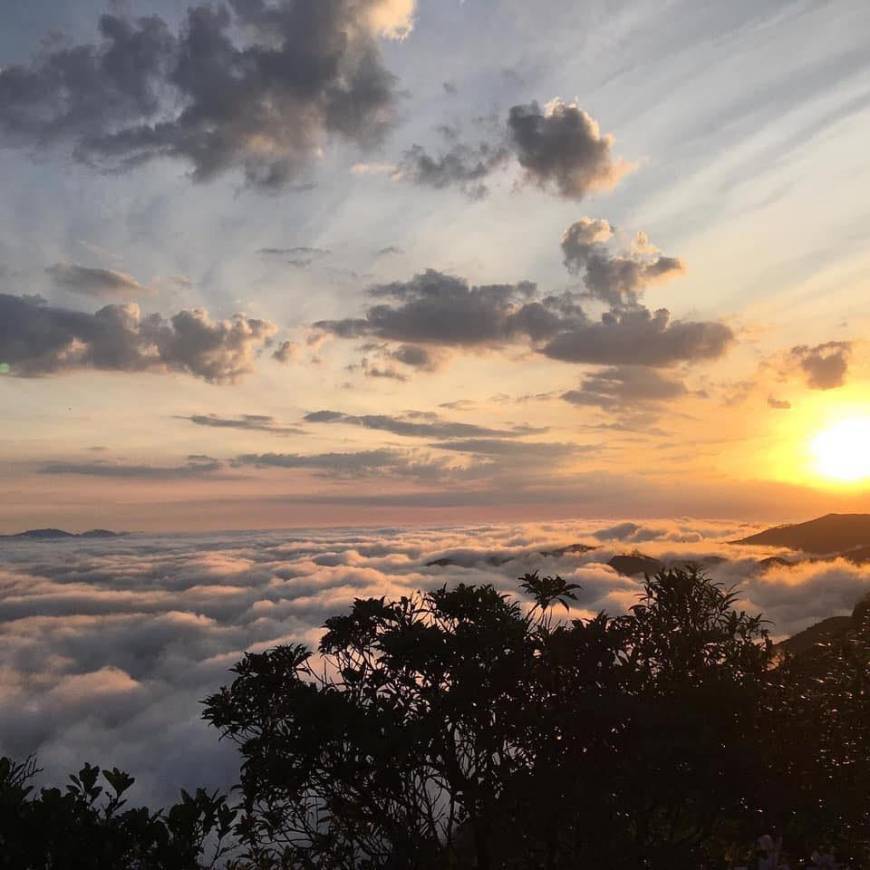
[{"x": 462, "y": 728}]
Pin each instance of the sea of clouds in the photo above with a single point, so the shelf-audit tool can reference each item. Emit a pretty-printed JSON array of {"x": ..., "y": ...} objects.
[{"x": 107, "y": 647}]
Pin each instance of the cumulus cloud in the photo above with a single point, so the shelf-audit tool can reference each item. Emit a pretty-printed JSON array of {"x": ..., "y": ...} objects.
[
  {"x": 413, "y": 428},
  {"x": 561, "y": 148},
  {"x": 616, "y": 279},
  {"x": 639, "y": 337},
  {"x": 825, "y": 365},
  {"x": 40, "y": 339},
  {"x": 625, "y": 386},
  {"x": 108, "y": 648},
  {"x": 101, "y": 283},
  {"x": 436, "y": 309},
  {"x": 256, "y": 86},
  {"x": 248, "y": 422}
]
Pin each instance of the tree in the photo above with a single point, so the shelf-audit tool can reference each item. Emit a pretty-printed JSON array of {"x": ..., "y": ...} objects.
[
  {"x": 88, "y": 826},
  {"x": 459, "y": 728}
]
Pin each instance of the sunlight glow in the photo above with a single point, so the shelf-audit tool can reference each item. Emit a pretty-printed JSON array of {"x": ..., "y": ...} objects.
[{"x": 842, "y": 451}]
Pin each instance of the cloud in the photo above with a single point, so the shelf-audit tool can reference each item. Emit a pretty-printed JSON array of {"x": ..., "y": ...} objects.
[
  {"x": 441, "y": 309},
  {"x": 438, "y": 429},
  {"x": 248, "y": 422},
  {"x": 526, "y": 450},
  {"x": 616, "y": 279},
  {"x": 561, "y": 149},
  {"x": 196, "y": 466},
  {"x": 416, "y": 357},
  {"x": 102, "y": 283},
  {"x": 824, "y": 366},
  {"x": 254, "y": 86},
  {"x": 640, "y": 337},
  {"x": 360, "y": 463},
  {"x": 625, "y": 387},
  {"x": 463, "y": 166},
  {"x": 778, "y": 404},
  {"x": 108, "y": 649},
  {"x": 46, "y": 340},
  {"x": 285, "y": 352},
  {"x": 389, "y": 251},
  {"x": 438, "y": 309}
]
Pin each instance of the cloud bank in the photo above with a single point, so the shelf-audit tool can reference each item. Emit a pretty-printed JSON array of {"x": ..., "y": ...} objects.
[{"x": 107, "y": 646}]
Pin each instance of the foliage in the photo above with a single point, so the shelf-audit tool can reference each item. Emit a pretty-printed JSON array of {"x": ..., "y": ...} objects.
[
  {"x": 458, "y": 728},
  {"x": 465, "y": 728},
  {"x": 89, "y": 826}
]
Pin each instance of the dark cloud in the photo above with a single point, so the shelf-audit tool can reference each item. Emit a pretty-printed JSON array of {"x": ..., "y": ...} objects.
[
  {"x": 778, "y": 404},
  {"x": 437, "y": 309},
  {"x": 463, "y": 166},
  {"x": 525, "y": 450},
  {"x": 362, "y": 463},
  {"x": 824, "y": 366},
  {"x": 561, "y": 149},
  {"x": 415, "y": 356},
  {"x": 44, "y": 340},
  {"x": 285, "y": 352},
  {"x": 625, "y": 387},
  {"x": 250, "y": 422},
  {"x": 616, "y": 279},
  {"x": 254, "y": 86},
  {"x": 196, "y": 466},
  {"x": 413, "y": 428},
  {"x": 297, "y": 251},
  {"x": 640, "y": 337},
  {"x": 87, "y": 281},
  {"x": 389, "y": 251}
]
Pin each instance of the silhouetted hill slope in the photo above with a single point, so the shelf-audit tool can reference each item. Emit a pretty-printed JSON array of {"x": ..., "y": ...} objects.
[
  {"x": 834, "y": 533},
  {"x": 822, "y": 632},
  {"x": 828, "y": 630},
  {"x": 60, "y": 535}
]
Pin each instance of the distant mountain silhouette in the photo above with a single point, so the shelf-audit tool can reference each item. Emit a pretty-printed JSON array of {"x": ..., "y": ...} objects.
[
  {"x": 60, "y": 535},
  {"x": 635, "y": 563},
  {"x": 846, "y": 534}
]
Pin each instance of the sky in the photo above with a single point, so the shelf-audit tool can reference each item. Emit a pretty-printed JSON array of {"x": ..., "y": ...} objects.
[{"x": 276, "y": 263}]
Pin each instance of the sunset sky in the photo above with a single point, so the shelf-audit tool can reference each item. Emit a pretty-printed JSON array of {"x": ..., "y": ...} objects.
[{"x": 271, "y": 264}]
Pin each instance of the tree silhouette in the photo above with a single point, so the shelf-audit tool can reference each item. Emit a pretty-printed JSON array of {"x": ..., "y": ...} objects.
[
  {"x": 466, "y": 728},
  {"x": 459, "y": 728},
  {"x": 88, "y": 826}
]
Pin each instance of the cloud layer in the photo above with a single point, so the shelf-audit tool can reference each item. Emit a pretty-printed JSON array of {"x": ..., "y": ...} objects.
[{"x": 107, "y": 646}]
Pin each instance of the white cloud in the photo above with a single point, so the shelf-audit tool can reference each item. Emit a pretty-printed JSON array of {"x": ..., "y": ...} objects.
[{"x": 108, "y": 647}]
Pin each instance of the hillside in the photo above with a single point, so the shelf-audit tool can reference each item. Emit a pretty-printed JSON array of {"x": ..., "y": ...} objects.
[{"x": 834, "y": 533}]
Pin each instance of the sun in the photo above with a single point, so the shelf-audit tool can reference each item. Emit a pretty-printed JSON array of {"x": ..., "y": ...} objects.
[{"x": 842, "y": 451}]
